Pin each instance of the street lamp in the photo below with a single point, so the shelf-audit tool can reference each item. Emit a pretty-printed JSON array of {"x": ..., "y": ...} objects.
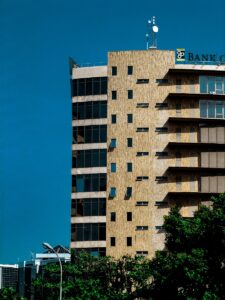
[{"x": 50, "y": 248}]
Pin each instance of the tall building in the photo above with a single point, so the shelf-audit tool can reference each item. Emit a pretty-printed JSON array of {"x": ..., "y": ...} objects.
[
  {"x": 8, "y": 276},
  {"x": 148, "y": 133}
]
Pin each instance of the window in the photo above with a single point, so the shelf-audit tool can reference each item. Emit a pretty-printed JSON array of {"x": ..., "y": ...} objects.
[
  {"x": 142, "y": 129},
  {"x": 129, "y": 192},
  {"x": 113, "y": 167},
  {"x": 129, "y": 118},
  {"x": 212, "y": 109},
  {"x": 129, "y": 241},
  {"x": 141, "y": 253},
  {"x": 212, "y": 84},
  {"x": 142, "y": 105},
  {"x": 159, "y": 227},
  {"x": 89, "y": 158},
  {"x": 114, "y": 95},
  {"x": 89, "y": 86},
  {"x": 129, "y": 70},
  {"x": 112, "y": 192},
  {"x": 161, "y": 178},
  {"x": 89, "y": 182},
  {"x": 112, "y": 241},
  {"x": 113, "y": 143},
  {"x": 88, "y": 232},
  {"x": 142, "y": 203},
  {"x": 129, "y": 167},
  {"x": 161, "y": 105},
  {"x": 114, "y": 71},
  {"x": 161, "y": 203},
  {"x": 113, "y": 217},
  {"x": 89, "y": 134},
  {"x": 161, "y": 154},
  {"x": 162, "y": 81},
  {"x": 129, "y": 142},
  {"x": 141, "y": 228},
  {"x": 140, "y": 178},
  {"x": 129, "y": 216},
  {"x": 98, "y": 251},
  {"x": 161, "y": 129},
  {"x": 130, "y": 94},
  {"x": 89, "y": 110},
  {"x": 113, "y": 119},
  {"x": 88, "y": 207},
  {"x": 141, "y": 81},
  {"x": 142, "y": 153}
]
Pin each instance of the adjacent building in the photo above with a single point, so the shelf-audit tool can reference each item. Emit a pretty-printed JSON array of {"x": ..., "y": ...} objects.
[
  {"x": 8, "y": 276},
  {"x": 148, "y": 133}
]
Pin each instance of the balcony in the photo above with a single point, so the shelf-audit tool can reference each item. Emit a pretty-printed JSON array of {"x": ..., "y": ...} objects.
[
  {"x": 198, "y": 70},
  {"x": 197, "y": 170},
  {"x": 200, "y": 121},
  {"x": 195, "y": 146},
  {"x": 190, "y": 195},
  {"x": 188, "y": 96}
]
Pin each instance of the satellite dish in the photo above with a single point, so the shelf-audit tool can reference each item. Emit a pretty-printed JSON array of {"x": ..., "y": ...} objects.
[{"x": 155, "y": 28}]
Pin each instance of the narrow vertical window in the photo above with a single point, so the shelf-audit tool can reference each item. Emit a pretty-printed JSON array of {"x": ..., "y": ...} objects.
[
  {"x": 129, "y": 142},
  {"x": 129, "y": 118},
  {"x": 129, "y": 241},
  {"x": 113, "y": 167},
  {"x": 129, "y": 167},
  {"x": 129, "y": 70},
  {"x": 113, "y": 119},
  {"x": 113, "y": 217},
  {"x": 130, "y": 94},
  {"x": 129, "y": 216},
  {"x": 112, "y": 241},
  {"x": 114, "y": 71},
  {"x": 114, "y": 95}
]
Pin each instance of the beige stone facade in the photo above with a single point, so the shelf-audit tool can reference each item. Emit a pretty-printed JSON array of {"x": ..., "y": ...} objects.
[
  {"x": 176, "y": 156},
  {"x": 151, "y": 66}
]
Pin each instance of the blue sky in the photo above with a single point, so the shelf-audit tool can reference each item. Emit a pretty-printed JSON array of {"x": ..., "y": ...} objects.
[{"x": 36, "y": 39}]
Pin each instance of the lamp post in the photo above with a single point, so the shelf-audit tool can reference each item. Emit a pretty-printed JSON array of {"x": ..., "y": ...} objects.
[{"x": 49, "y": 247}]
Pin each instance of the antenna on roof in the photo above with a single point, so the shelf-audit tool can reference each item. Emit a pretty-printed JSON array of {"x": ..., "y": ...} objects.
[{"x": 154, "y": 29}]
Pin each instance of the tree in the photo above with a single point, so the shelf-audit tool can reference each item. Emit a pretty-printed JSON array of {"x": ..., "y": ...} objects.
[
  {"x": 192, "y": 266},
  {"x": 9, "y": 294},
  {"x": 94, "y": 278}
]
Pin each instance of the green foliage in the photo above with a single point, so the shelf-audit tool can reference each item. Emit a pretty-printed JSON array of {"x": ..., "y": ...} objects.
[
  {"x": 9, "y": 294},
  {"x": 192, "y": 265}
]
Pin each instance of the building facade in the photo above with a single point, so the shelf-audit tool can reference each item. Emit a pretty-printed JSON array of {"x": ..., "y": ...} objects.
[
  {"x": 147, "y": 134},
  {"x": 8, "y": 276}
]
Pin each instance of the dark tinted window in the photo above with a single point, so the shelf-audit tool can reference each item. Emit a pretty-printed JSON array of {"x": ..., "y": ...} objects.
[
  {"x": 114, "y": 71},
  {"x": 90, "y": 86},
  {"x": 89, "y": 182},
  {"x": 88, "y": 232},
  {"x": 130, "y": 94},
  {"x": 89, "y": 134},
  {"x": 129, "y": 70},
  {"x": 89, "y": 158},
  {"x": 89, "y": 110},
  {"x": 88, "y": 207}
]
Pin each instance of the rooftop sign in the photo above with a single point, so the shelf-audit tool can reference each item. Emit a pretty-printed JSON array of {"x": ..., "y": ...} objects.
[{"x": 192, "y": 58}]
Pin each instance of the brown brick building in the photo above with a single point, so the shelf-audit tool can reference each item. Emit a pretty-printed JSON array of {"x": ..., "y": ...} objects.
[{"x": 147, "y": 133}]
